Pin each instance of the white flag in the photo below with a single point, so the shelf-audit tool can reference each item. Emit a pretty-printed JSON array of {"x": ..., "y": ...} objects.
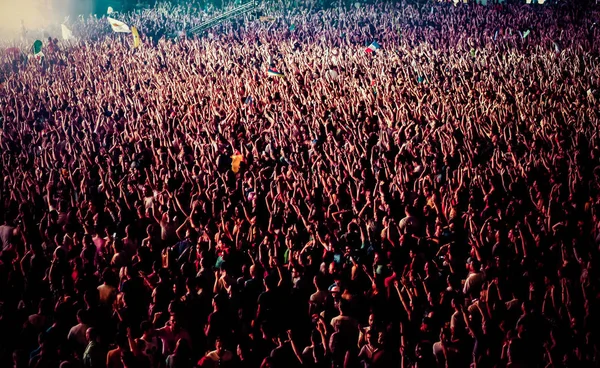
[
  {"x": 66, "y": 33},
  {"x": 110, "y": 10},
  {"x": 118, "y": 26}
]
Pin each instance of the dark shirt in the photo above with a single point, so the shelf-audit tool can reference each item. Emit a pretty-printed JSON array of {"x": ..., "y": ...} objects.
[{"x": 283, "y": 356}]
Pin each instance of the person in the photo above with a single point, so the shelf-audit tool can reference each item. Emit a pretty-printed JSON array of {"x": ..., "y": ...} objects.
[
  {"x": 344, "y": 323},
  {"x": 150, "y": 344},
  {"x": 19, "y": 359},
  {"x": 94, "y": 355},
  {"x": 320, "y": 298},
  {"x": 244, "y": 358},
  {"x": 107, "y": 291},
  {"x": 8, "y": 235},
  {"x": 268, "y": 302},
  {"x": 285, "y": 354},
  {"x": 170, "y": 335},
  {"x": 114, "y": 358},
  {"x": 316, "y": 353},
  {"x": 181, "y": 357},
  {"x": 410, "y": 223},
  {"x": 129, "y": 360},
  {"x": 218, "y": 322},
  {"x": 45, "y": 355},
  {"x": 369, "y": 349},
  {"x": 78, "y": 334},
  {"x": 220, "y": 357},
  {"x": 474, "y": 280},
  {"x": 363, "y": 330}
]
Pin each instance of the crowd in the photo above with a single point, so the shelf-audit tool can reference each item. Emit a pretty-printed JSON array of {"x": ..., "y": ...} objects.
[{"x": 435, "y": 203}]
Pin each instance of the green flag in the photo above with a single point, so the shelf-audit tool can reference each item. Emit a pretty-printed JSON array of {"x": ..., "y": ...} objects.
[
  {"x": 37, "y": 47},
  {"x": 37, "y": 50}
]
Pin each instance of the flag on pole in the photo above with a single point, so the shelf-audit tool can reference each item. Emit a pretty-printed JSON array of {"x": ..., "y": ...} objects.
[
  {"x": 110, "y": 10},
  {"x": 66, "y": 33},
  {"x": 118, "y": 26},
  {"x": 236, "y": 161},
  {"x": 372, "y": 47},
  {"x": 249, "y": 100},
  {"x": 136, "y": 37},
  {"x": 556, "y": 48},
  {"x": 37, "y": 49},
  {"x": 268, "y": 18},
  {"x": 272, "y": 72},
  {"x": 526, "y": 33}
]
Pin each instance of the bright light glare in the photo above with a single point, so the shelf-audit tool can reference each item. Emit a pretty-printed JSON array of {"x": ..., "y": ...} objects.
[{"x": 36, "y": 14}]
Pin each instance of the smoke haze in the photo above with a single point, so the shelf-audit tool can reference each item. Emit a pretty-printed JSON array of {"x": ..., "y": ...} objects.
[{"x": 35, "y": 15}]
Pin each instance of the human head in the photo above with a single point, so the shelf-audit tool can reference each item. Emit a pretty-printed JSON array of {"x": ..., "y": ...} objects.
[
  {"x": 91, "y": 334},
  {"x": 128, "y": 360},
  {"x": 81, "y": 316},
  {"x": 147, "y": 328},
  {"x": 181, "y": 348},
  {"x": 218, "y": 345},
  {"x": 122, "y": 341}
]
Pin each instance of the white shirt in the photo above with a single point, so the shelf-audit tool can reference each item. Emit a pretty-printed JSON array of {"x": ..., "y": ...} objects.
[
  {"x": 473, "y": 283},
  {"x": 77, "y": 334},
  {"x": 409, "y": 224},
  {"x": 344, "y": 323},
  {"x": 107, "y": 293},
  {"x": 320, "y": 297},
  {"x": 227, "y": 356}
]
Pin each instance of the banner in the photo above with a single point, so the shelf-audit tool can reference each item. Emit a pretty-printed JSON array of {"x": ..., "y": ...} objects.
[
  {"x": 118, "y": 26},
  {"x": 267, "y": 19},
  {"x": 66, "y": 33},
  {"x": 272, "y": 72},
  {"x": 372, "y": 47},
  {"x": 557, "y": 49},
  {"x": 136, "y": 37},
  {"x": 236, "y": 161},
  {"x": 37, "y": 49}
]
